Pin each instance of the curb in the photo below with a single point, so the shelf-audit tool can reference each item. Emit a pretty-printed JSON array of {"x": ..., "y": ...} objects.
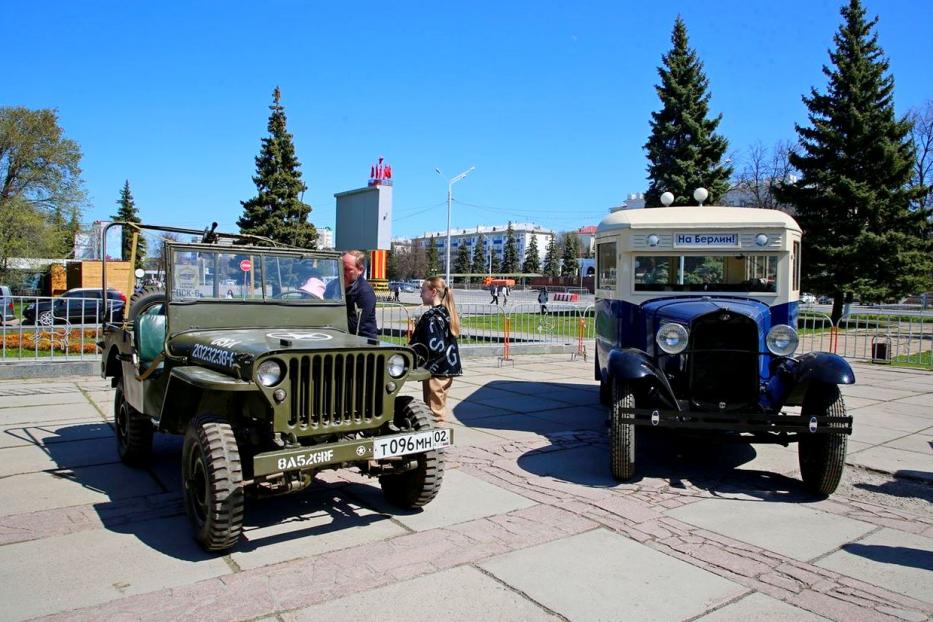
[{"x": 50, "y": 369}]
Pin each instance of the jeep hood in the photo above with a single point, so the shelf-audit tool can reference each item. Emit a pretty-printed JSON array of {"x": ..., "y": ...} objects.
[
  {"x": 228, "y": 350},
  {"x": 685, "y": 310}
]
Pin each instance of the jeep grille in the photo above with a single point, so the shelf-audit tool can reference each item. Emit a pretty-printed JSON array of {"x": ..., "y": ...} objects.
[
  {"x": 723, "y": 362},
  {"x": 336, "y": 389}
]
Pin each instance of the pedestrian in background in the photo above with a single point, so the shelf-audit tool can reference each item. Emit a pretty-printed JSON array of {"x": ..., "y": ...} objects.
[
  {"x": 542, "y": 300},
  {"x": 494, "y": 290},
  {"x": 435, "y": 339},
  {"x": 505, "y": 294}
]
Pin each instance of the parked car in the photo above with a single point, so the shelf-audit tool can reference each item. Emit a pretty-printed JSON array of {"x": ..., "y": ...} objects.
[
  {"x": 807, "y": 298},
  {"x": 76, "y": 306},
  {"x": 6, "y": 304}
]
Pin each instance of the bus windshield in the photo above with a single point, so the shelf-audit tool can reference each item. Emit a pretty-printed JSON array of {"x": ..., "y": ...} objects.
[
  {"x": 229, "y": 274},
  {"x": 706, "y": 273}
]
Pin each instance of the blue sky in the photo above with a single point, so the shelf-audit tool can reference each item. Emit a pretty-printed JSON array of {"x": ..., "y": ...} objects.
[{"x": 549, "y": 100}]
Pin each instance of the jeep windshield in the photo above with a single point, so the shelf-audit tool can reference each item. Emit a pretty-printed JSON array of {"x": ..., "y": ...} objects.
[
  {"x": 706, "y": 273},
  {"x": 228, "y": 273}
]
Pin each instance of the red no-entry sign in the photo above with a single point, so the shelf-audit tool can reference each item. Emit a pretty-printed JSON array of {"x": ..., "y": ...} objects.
[{"x": 246, "y": 265}]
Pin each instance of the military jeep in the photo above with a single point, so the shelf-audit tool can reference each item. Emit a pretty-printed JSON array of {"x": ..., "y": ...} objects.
[{"x": 247, "y": 353}]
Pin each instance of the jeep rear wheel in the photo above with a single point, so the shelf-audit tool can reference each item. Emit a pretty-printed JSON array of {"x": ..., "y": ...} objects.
[
  {"x": 417, "y": 487},
  {"x": 134, "y": 431},
  {"x": 822, "y": 456},
  {"x": 213, "y": 483},
  {"x": 622, "y": 432}
]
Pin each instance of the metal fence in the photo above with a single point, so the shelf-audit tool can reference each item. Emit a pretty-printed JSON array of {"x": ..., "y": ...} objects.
[
  {"x": 42, "y": 328},
  {"x": 45, "y": 328}
]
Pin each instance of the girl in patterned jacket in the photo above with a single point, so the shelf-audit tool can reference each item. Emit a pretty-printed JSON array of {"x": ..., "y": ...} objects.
[{"x": 435, "y": 340}]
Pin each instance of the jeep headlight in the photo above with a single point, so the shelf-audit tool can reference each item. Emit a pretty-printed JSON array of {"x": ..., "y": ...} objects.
[
  {"x": 672, "y": 338},
  {"x": 397, "y": 365},
  {"x": 782, "y": 340},
  {"x": 270, "y": 372}
]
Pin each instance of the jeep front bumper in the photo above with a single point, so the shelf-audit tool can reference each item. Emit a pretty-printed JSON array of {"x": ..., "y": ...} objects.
[{"x": 354, "y": 450}]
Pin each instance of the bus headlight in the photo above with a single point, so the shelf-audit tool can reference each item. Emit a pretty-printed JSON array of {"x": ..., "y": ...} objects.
[
  {"x": 672, "y": 338},
  {"x": 270, "y": 372},
  {"x": 397, "y": 365},
  {"x": 782, "y": 340}
]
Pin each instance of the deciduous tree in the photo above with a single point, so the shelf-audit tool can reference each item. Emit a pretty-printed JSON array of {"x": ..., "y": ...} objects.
[{"x": 39, "y": 184}]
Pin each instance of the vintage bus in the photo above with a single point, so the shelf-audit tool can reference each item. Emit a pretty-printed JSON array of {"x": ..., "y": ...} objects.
[{"x": 696, "y": 328}]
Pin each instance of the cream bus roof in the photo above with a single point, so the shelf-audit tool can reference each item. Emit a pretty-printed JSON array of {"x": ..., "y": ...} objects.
[{"x": 697, "y": 217}]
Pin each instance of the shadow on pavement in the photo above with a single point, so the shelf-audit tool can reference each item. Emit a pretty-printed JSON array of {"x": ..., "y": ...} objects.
[
  {"x": 897, "y": 555},
  {"x": 910, "y": 484},
  {"x": 147, "y": 503},
  {"x": 708, "y": 461}
]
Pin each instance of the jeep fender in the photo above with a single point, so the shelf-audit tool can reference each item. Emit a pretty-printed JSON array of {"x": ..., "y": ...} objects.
[
  {"x": 187, "y": 386},
  {"x": 635, "y": 366},
  {"x": 818, "y": 367}
]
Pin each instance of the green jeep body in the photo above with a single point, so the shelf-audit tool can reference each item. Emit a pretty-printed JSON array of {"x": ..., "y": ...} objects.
[{"x": 200, "y": 359}]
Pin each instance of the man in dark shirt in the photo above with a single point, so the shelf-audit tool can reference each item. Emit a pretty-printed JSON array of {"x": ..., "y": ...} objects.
[{"x": 361, "y": 300}]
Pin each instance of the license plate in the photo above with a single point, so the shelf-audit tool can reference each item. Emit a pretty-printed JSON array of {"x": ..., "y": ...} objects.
[{"x": 414, "y": 443}]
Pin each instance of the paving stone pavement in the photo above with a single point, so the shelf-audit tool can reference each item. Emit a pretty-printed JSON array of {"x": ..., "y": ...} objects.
[{"x": 529, "y": 524}]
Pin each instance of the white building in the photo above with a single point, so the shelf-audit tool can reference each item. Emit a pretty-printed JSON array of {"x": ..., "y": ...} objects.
[
  {"x": 325, "y": 238},
  {"x": 494, "y": 237}
]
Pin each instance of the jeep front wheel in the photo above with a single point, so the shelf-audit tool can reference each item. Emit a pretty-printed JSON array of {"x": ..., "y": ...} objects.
[
  {"x": 418, "y": 486},
  {"x": 134, "y": 431},
  {"x": 213, "y": 483},
  {"x": 622, "y": 432},
  {"x": 822, "y": 456}
]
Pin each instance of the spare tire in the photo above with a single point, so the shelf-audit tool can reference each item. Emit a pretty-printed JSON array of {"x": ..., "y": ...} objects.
[{"x": 145, "y": 298}]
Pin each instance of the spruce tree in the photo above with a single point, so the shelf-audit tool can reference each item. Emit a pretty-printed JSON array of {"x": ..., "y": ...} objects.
[
  {"x": 127, "y": 213},
  {"x": 569, "y": 256},
  {"x": 853, "y": 196},
  {"x": 552, "y": 258},
  {"x": 532, "y": 263},
  {"x": 684, "y": 150},
  {"x": 277, "y": 211},
  {"x": 510, "y": 258},
  {"x": 462, "y": 263},
  {"x": 495, "y": 264},
  {"x": 392, "y": 263},
  {"x": 433, "y": 264},
  {"x": 479, "y": 256}
]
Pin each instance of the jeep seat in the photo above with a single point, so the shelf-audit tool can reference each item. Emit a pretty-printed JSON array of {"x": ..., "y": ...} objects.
[{"x": 150, "y": 333}]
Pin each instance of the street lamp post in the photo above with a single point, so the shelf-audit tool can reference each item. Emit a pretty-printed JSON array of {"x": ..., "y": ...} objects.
[{"x": 450, "y": 187}]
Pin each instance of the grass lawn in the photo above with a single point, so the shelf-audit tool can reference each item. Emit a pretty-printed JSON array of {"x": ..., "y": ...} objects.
[
  {"x": 565, "y": 325},
  {"x": 919, "y": 360}
]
